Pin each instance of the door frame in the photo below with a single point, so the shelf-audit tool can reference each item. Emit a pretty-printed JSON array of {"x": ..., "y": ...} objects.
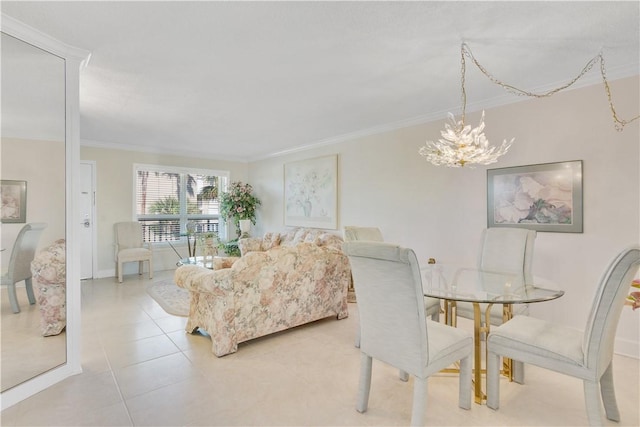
[{"x": 94, "y": 233}]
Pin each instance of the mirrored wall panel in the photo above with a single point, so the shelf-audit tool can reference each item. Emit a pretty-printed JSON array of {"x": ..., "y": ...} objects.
[{"x": 32, "y": 169}]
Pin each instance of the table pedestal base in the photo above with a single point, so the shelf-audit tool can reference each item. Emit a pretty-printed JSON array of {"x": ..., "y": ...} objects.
[{"x": 479, "y": 329}]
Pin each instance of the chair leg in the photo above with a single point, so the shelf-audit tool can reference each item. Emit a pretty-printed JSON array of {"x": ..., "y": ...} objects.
[
  {"x": 365, "y": 382},
  {"x": 28, "y": 284},
  {"x": 357, "y": 340},
  {"x": 518, "y": 371},
  {"x": 464, "y": 394},
  {"x": 13, "y": 298},
  {"x": 150, "y": 269},
  {"x": 119, "y": 270},
  {"x": 493, "y": 380},
  {"x": 140, "y": 267},
  {"x": 419, "y": 401},
  {"x": 592, "y": 402},
  {"x": 608, "y": 393}
]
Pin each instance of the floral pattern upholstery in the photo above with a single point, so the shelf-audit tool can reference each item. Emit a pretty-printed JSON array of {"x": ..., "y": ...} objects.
[
  {"x": 50, "y": 277},
  {"x": 268, "y": 291},
  {"x": 290, "y": 238}
]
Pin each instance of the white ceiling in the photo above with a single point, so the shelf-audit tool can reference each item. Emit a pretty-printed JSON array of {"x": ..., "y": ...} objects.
[{"x": 245, "y": 80}]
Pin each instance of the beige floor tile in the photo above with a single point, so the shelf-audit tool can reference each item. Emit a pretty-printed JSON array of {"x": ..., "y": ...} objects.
[
  {"x": 140, "y": 378},
  {"x": 138, "y": 351},
  {"x": 170, "y": 323},
  {"x": 131, "y": 332},
  {"x": 67, "y": 402},
  {"x": 189, "y": 402}
]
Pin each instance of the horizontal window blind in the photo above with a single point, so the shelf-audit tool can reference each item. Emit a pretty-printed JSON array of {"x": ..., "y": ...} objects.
[{"x": 171, "y": 202}]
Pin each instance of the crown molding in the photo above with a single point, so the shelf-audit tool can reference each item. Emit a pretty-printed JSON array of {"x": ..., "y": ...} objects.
[
  {"x": 28, "y": 34},
  {"x": 159, "y": 150},
  {"x": 592, "y": 79}
]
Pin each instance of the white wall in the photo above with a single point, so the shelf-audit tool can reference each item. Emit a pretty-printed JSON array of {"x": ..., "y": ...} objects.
[
  {"x": 440, "y": 212},
  {"x": 42, "y": 165},
  {"x": 114, "y": 198}
]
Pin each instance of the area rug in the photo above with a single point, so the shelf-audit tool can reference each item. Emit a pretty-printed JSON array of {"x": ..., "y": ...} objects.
[{"x": 170, "y": 297}]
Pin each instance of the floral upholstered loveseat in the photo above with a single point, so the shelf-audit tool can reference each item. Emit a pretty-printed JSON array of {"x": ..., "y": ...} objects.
[
  {"x": 295, "y": 278},
  {"x": 49, "y": 272}
]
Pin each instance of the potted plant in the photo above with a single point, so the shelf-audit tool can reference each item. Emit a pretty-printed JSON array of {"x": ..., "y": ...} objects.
[{"x": 239, "y": 203}]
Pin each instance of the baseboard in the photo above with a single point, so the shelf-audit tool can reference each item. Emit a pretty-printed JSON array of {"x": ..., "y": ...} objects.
[{"x": 627, "y": 348}]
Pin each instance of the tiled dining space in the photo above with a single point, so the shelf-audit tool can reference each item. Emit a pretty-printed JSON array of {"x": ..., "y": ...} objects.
[{"x": 141, "y": 368}]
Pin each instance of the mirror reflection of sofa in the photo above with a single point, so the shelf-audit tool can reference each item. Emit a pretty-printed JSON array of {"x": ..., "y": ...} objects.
[
  {"x": 281, "y": 281},
  {"x": 49, "y": 270}
]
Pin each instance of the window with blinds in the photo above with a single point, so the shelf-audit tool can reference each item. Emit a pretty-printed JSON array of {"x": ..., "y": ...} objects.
[{"x": 169, "y": 202}]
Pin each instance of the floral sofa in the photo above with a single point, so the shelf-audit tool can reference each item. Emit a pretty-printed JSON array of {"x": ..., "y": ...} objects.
[
  {"x": 49, "y": 273},
  {"x": 281, "y": 281}
]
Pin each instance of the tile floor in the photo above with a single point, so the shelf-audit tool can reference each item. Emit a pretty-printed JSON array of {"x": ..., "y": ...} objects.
[{"x": 141, "y": 368}]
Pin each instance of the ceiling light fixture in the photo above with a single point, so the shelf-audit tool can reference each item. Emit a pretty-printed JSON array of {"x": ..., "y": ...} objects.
[{"x": 462, "y": 145}]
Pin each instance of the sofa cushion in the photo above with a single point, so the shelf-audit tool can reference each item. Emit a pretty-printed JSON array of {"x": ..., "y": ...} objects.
[
  {"x": 270, "y": 240},
  {"x": 250, "y": 244},
  {"x": 331, "y": 241}
]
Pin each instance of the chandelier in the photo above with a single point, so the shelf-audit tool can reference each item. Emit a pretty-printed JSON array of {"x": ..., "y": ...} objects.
[{"x": 461, "y": 144}]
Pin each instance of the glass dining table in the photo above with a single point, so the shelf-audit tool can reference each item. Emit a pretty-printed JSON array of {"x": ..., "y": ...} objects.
[{"x": 483, "y": 289}]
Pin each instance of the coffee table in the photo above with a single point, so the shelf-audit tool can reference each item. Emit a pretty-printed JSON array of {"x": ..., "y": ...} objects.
[{"x": 206, "y": 262}]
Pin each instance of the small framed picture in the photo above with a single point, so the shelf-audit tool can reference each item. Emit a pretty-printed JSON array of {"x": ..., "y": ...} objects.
[
  {"x": 544, "y": 197},
  {"x": 14, "y": 201}
]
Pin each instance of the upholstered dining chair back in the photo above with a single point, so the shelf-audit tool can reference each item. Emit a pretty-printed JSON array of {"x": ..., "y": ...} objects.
[
  {"x": 353, "y": 233},
  {"x": 394, "y": 327},
  {"x": 130, "y": 247},
  {"x": 586, "y": 355},
  {"x": 23, "y": 252},
  {"x": 390, "y": 305},
  {"x": 508, "y": 250},
  {"x": 606, "y": 308}
]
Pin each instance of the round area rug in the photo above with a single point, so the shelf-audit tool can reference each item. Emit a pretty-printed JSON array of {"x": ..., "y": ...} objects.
[{"x": 170, "y": 297}]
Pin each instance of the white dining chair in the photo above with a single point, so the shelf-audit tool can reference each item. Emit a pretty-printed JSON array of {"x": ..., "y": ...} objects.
[
  {"x": 394, "y": 327},
  {"x": 130, "y": 247},
  {"x": 505, "y": 250},
  {"x": 373, "y": 234},
  {"x": 23, "y": 252},
  {"x": 585, "y": 355}
]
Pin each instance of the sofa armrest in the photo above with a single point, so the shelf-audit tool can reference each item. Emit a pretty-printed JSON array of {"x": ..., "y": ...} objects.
[
  {"x": 220, "y": 262},
  {"x": 199, "y": 279}
]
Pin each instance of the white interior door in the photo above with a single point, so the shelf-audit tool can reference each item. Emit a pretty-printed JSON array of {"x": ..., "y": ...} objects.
[{"x": 87, "y": 225}]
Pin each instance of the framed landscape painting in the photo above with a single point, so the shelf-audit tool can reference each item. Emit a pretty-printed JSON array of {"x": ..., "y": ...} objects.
[
  {"x": 14, "y": 201},
  {"x": 544, "y": 197},
  {"x": 311, "y": 193}
]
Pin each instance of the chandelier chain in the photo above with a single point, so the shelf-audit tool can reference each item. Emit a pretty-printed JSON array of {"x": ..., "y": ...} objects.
[
  {"x": 463, "y": 67},
  {"x": 619, "y": 124}
]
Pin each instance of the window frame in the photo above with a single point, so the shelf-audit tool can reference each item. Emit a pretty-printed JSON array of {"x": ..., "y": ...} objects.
[{"x": 183, "y": 217}]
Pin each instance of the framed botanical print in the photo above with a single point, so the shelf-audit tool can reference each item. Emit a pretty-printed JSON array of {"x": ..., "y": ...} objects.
[{"x": 311, "y": 193}]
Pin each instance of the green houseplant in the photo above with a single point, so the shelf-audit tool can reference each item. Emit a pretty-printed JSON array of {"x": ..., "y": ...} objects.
[{"x": 238, "y": 203}]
